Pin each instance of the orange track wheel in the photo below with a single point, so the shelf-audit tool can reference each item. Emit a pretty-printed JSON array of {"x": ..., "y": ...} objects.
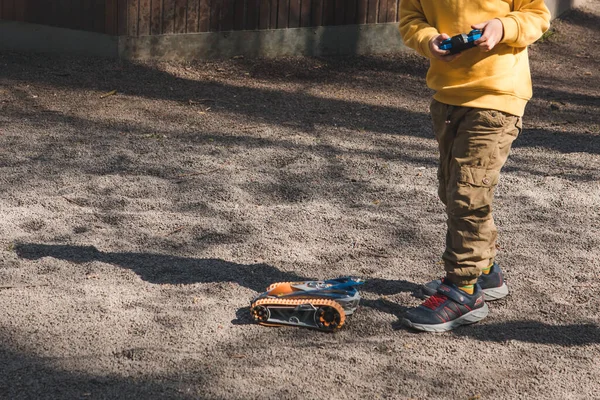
[
  {"x": 260, "y": 313},
  {"x": 330, "y": 315},
  {"x": 328, "y": 318}
]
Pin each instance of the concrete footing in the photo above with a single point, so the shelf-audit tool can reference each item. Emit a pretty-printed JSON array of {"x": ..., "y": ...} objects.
[
  {"x": 19, "y": 36},
  {"x": 331, "y": 40}
]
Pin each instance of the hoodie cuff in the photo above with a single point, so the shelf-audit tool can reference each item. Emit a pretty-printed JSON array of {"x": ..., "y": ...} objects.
[{"x": 511, "y": 30}]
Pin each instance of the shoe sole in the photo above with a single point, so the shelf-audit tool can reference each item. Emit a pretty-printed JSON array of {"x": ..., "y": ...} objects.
[
  {"x": 490, "y": 294},
  {"x": 495, "y": 293},
  {"x": 467, "y": 319}
]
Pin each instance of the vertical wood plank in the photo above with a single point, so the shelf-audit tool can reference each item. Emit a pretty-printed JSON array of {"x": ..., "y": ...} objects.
[
  {"x": 8, "y": 10},
  {"x": 145, "y": 17},
  {"x": 52, "y": 12},
  {"x": 132, "y": 17},
  {"x": 81, "y": 17},
  {"x": 391, "y": 11},
  {"x": 86, "y": 16},
  {"x": 239, "y": 15},
  {"x": 49, "y": 14},
  {"x": 58, "y": 15},
  {"x": 283, "y": 11},
  {"x": 294, "y": 21},
  {"x": 156, "y": 8},
  {"x": 340, "y": 11},
  {"x": 111, "y": 17},
  {"x": 329, "y": 12},
  {"x": 215, "y": 15},
  {"x": 227, "y": 13},
  {"x": 372, "y": 11},
  {"x": 99, "y": 16},
  {"x": 73, "y": 16},
  {"x": 362, "y": 11},
  {"x": 20, "y": 10},
  {"x": 36, "y": 12},
  {"x": 351, "y": 13},
  {"x": 46, "y": 13},
  {"x": 383, "y": 8},
  {"x": 305, "y": 14},
  {"x": 273, "y": 14},
  {"x": 31, "y": 10},
  {"x": 122, "y": 17},
  {"x": 264, "y": 16},
  {"x": 252, "y": 14},
  {"x": 180, "y": 16},
  {"x": 192, "y": 16},
  {"x": 204, "y": 16},
  {"x": 317, "y": 13},
  {"x": 168, "y": 16},
  {"x": 64, "y": 14}
]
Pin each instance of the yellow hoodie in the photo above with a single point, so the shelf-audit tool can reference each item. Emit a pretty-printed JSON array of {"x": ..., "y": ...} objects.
[{"x": 499, "y": 79}]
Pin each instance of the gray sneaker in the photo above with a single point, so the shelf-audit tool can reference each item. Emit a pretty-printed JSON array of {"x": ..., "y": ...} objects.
[
  {"x": 492, "y": 284},
  {"x": 447, "y": 309}
]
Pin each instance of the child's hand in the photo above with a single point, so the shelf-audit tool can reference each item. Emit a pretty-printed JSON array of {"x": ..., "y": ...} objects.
[
  {"x": 493, "y": 32},
  {"x": 444, "y": 55}
]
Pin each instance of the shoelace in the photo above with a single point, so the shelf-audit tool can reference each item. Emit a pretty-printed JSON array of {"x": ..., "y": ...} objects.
[{"x": 435, "y": 301}]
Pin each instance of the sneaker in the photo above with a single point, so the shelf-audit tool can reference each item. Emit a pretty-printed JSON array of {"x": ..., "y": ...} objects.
[
  {"x": 447, "y": 309},
  {"x": 492, "y": 284}
]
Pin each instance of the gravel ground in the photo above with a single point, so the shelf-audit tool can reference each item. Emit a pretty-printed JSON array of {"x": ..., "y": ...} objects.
[{"x": 137, "y": 227}]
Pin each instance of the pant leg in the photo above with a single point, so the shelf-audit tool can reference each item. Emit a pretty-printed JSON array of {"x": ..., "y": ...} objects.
[{"x": 474, "y": 145}]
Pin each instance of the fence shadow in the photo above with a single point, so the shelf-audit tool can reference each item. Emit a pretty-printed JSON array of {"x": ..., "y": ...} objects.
[{"x": 166, "y": 269}]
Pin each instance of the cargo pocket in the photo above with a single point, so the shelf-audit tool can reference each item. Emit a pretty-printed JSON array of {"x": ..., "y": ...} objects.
[
  {"x": 479, "y": 177},
  {"x": 492, "y": 118},
  {"x": 474, "y": 193}
]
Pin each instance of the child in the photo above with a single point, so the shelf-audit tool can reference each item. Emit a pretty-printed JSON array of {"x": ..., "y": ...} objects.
[{"x": 480, "y": 96}]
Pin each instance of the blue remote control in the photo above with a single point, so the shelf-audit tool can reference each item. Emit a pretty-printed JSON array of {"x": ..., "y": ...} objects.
[{"x": 461, "y": 42}]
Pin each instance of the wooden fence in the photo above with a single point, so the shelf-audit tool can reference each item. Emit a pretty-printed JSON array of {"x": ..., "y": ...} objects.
[{"x": 155, "y": 17}]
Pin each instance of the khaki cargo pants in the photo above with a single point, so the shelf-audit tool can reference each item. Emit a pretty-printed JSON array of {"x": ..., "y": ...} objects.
[{"x": 474, "y": 145}]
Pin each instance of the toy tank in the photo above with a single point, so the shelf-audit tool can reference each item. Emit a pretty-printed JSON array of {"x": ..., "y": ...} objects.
[{"x": 321, "y": 305}]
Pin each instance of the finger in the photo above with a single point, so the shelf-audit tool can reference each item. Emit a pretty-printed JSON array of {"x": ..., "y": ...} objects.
[
  {"x": 484, "y": 38},
  {"x": 479, "y": 26},
  {"x": 485, "y": 47},
  {"x": 442, "y": 53}
]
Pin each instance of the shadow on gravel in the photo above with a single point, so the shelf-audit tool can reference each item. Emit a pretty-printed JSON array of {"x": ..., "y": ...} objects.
[
  {"x": 389, "y": 287},
  {"x": 166, "y": 269},
  {"x": 385, "y": 306},
  {"x": 25, "y": 376},
  {"x": 301, "y": 108},
  {"x": 582, "y": 18},
  {"x": 534, "y": 332}
]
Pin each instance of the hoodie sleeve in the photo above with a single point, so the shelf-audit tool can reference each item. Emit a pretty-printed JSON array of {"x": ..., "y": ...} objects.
[
  {"x": 526, "y": 24},
  {"x": 416, "y": 32}
]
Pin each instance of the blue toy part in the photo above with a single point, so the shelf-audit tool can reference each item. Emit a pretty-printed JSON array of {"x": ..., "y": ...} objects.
[
  {"x": 461, "y": 42},
  {"x": 346, "y": 283}
]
